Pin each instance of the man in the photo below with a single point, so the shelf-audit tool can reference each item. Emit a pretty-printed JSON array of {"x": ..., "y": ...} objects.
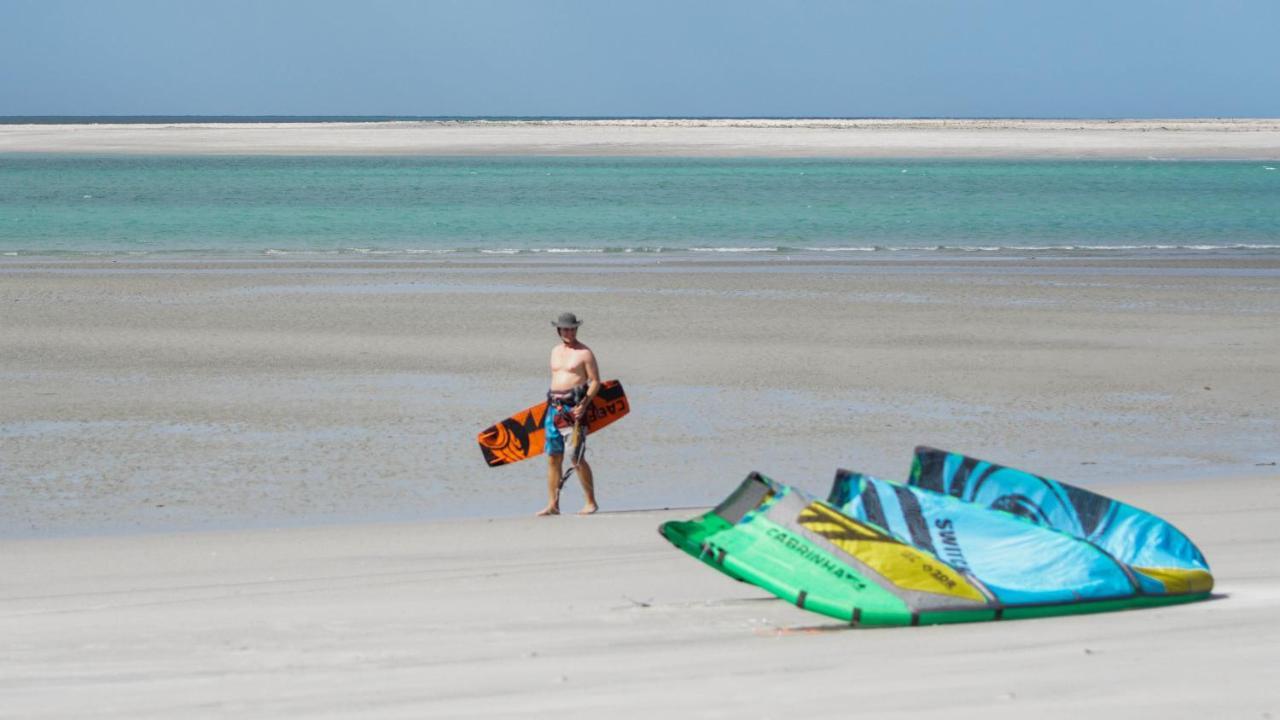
[{"x": 575, "y": 380}]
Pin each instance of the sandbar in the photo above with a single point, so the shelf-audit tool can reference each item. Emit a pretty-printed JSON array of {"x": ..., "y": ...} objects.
[{"x": 1173, "y": 139}]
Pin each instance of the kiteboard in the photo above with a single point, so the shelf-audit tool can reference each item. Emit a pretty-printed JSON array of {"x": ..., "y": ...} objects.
[{"x": 522, "y": 436}]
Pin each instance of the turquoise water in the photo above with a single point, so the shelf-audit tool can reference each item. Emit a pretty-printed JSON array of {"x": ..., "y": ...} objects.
[{"x": 270, "y": 205}]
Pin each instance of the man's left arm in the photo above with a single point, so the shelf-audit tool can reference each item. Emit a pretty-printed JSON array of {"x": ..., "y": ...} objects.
[{"x": 593, "y": 385}]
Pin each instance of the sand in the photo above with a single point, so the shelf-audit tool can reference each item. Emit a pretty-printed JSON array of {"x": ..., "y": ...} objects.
[
  {"x": 1172, "y": 139},
  {"x": 578, "y": 617},
  {"x": 249, "y": 487},
  {"x": 159, "y": 395}
]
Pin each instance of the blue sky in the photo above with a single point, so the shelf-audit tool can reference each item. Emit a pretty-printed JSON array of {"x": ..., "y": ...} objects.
[{"x": 892, "y": 58}]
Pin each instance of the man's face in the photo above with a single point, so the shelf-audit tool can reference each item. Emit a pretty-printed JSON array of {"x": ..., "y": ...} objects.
[{"x": 568, "y": 334}]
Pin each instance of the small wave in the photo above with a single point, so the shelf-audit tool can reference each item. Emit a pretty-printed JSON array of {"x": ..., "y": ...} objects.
[
  {"x": 857, "y": 248},
  {"x": 1082, "y": 248},
  {"x": 561, "y": 251},
  {"x": 282, "y": 251},
  {"x": 734, "y": 249},
  {"x": 405, "y": 251}
]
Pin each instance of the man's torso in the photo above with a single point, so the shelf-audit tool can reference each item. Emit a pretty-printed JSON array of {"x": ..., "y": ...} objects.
[{"x": 569, "y": 366}]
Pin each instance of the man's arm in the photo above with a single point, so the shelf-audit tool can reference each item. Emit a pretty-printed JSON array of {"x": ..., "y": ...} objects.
[{"x": 593, "y": 385}]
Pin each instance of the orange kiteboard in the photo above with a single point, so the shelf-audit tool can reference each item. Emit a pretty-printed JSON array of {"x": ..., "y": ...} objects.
[{"x": 522, "y": 436}]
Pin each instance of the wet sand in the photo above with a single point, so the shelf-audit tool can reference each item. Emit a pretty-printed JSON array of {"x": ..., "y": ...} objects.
[
  {"x": 250, "y": 487},
  {"x": 155, "y": 395}
]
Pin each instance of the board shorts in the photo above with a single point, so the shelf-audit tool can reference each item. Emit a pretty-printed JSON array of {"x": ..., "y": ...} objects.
[{"x": 559, "y": 419}]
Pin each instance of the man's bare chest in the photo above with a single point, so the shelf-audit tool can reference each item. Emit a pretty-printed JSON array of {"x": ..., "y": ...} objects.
[{"x": 566, "y": 359}]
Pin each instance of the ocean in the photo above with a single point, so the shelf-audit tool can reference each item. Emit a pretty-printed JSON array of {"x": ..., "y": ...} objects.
[{"x": 60, "y": 205}]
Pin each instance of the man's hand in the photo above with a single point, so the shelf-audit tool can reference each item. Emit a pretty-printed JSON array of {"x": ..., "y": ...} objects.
[{"x": 580, "y": 411}]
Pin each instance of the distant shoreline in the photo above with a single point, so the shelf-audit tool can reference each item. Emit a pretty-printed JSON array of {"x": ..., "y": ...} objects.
[
  {"x": 603, "y": 119},
  {"x": 1172, "y": 139}
]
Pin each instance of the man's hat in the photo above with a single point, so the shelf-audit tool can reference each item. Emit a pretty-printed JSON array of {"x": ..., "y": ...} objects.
[{"x": 566, "y": 320}]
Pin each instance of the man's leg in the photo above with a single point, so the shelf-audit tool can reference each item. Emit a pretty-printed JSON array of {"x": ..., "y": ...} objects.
[
  {"x": 555, "y": 461},
  {"x": 588, "y": 487},
  {"x": 554, "y": 464}
]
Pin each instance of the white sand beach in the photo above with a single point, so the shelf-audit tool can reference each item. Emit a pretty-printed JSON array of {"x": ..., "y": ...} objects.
[
  {"x": 575, "y": 617},
  {"x": 1172, "y": 139},
  {"x": 249, "y": 488}
]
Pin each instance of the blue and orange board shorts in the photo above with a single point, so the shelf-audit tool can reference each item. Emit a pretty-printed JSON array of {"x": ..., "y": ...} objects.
[{"x": 560, "y": 405}]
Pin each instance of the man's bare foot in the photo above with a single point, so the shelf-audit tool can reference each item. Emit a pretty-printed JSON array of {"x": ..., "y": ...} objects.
[
  {"x": 548, "y": 510},
  {"x": 588, "y": 509}
]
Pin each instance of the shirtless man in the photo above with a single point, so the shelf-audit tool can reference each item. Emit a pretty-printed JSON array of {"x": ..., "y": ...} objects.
[{"x": 575, "y": 380}]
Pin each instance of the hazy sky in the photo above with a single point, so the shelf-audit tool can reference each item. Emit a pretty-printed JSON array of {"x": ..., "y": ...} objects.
[{"x": 894, "y": 58}]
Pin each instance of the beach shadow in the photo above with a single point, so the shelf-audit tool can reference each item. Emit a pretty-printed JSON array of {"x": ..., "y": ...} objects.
[{"x": 844, "y": 627}]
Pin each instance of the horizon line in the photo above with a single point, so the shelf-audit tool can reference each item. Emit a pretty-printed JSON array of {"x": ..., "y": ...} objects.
[{"x": 194, "y": 117}]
